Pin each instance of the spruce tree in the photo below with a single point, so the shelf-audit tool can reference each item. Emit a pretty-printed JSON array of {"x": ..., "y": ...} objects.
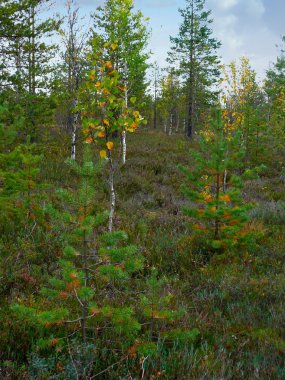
[{"x": 194, "y": 52}]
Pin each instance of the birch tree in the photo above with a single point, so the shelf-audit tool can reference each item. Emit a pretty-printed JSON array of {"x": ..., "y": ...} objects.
[
  {"x": 118, "y": 23},
  {"x": 74, "y": 39},
  {"x": 104, "y": 111},
  {"x": 243, "y": 101}
]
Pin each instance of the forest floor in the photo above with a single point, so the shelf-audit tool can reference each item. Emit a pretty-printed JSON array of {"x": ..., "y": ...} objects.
[{"x": 236, "y": 300}]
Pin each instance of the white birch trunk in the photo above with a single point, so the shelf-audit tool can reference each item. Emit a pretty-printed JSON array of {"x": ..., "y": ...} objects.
[
  {"x": 165, "y": 126},
  {"x": 73, "y": 143},
  {"x": 124, "y": 133},
  {"x": 112, "y": 195},
  {"x": 170, "y": 125},
  {"x": 124, "y": 145},
  {"x": 225, "y": 181},
  {"x": 184, "y": 125},
  {"x": 177, "y": 123},
  {"x": 74, "y": 133}
]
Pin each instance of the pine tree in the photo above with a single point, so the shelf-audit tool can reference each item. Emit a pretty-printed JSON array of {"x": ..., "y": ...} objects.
[
  {"x": 23, "y": 232},
  {"x": 169, "y": 101},
  {"x": 25, "y": 62},
  {"x": 156, "y": 72},
  {"x": 217, "y": 212},
  {"x": 94, "y": 266},
  {"x": 275, "y": 105},
  {"x": 193, "y": 51},
  {"x": 19, "y": 168}
]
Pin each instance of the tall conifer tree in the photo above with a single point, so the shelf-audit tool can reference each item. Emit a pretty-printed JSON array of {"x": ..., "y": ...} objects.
[
  {"x": 194, "y": 52},
  {"x": 25, "y": 59}
]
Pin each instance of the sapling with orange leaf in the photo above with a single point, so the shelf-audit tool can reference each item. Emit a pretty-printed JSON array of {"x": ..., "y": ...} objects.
[
  {"x": 218, "y": 215},
  {"x": 92, "y": 261}
]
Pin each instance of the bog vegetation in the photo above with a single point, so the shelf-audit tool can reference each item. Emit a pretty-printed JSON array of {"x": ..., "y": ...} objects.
[{"x": 142, "y": 216}]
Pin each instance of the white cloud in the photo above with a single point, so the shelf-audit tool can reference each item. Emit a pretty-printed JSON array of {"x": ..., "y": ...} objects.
[
  {"x": 255, "y": 7},
  {"x": 156, "y": 3},
  {"x": 225, "y": 4}
]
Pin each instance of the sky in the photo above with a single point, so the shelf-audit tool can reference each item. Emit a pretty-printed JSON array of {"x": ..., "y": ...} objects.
[{"x": 245, "y": 27}]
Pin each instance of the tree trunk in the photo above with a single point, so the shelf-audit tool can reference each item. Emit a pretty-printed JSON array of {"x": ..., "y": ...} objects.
[
  {"x": 75, "y": 119},
  {"x": 124, "y": 145},
  {"x": 191, "y": 108},
  {"x": 112, "y": 192},
  {"x": 170, "y": 125},
  {"x": 225, "y": 180},
  {"x": 73, "y": 142},
  {"x": 217, "y": 223},
  {"x": 177, "y": 123},
  {"x": 124, "y": 133},
  {"x": 155, "y": 100},
  {"x": 165, "y": 126}
]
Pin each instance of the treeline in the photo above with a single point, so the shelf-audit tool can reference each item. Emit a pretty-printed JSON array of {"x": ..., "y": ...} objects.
[
  {"x": 80, "y": 298},
  {"x": 44, "y": 62}
]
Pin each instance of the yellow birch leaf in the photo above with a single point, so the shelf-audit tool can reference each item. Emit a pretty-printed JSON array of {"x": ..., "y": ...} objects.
[
  {"x": 134, "y": 125},
  {"x": 101, "y": 134},
  {"x": 103, "y": 154},
  {"x": 110, "y": 145}
]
